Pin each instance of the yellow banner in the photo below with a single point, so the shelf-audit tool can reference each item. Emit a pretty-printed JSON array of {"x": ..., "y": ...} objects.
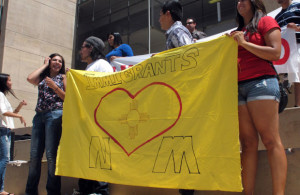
[{"x": 170, "y": 121}]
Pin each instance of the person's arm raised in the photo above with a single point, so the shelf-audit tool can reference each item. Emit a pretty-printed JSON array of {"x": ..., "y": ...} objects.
[
  {"x": 21, "y": 104},
  {"x": 34, "y": 77}
]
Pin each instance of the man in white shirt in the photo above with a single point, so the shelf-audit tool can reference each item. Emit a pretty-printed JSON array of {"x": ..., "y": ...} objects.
[{"x": 91, "y": 52}]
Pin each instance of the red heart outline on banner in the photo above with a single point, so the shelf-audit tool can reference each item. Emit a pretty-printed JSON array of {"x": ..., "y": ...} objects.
[{"x": 133, "y": 96}]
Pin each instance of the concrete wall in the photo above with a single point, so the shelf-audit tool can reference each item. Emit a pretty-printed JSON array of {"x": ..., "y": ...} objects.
[
  {"x": 271, "y": 5},
  {"x": 32, "y": 30},
  {"x": 16, "y": 179}
]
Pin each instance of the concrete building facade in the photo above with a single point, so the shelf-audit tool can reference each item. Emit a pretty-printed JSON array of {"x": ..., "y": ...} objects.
[{"x": 30, "y": 31}]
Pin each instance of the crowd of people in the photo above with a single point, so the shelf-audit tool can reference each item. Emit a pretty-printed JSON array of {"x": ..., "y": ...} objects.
[{"x": 259, "y": 43}]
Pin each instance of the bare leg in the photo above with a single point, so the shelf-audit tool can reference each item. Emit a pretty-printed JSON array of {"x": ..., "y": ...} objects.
[
  {"x": 264, "y": 114},
  {"x": 249, "y": 143}
]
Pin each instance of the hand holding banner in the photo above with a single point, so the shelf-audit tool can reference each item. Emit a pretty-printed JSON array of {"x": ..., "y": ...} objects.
[{"x": 170, "y": 121}]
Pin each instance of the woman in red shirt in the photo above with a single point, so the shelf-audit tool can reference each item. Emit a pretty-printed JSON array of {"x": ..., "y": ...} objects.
[{"x": 259, "y": 40}]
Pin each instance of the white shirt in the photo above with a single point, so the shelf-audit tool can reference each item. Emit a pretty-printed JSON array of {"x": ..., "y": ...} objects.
[
  {"x": 5, "y": 121},
  {"x": 99, "y": 66}
]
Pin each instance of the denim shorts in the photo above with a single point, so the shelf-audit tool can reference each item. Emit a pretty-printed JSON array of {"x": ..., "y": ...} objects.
[{"x": 259, "y": 89}]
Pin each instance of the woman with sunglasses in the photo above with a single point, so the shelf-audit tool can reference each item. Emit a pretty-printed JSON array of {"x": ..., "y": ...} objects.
[{"x": 259, "y": 40}]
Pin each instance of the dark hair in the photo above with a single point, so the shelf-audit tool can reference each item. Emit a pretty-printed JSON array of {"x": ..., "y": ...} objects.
[
  {"x": 175, "y": 9},
  {"x": 95, "y": 53},
  {"x": 97, "y": 46},
  {"x": 117, "y": 39},
  {"x": 3, "y": 84},
  {"x": 192, "y": 18},
  {"x": 259, "y": 11},
  {"x": 46, "y": 72}
]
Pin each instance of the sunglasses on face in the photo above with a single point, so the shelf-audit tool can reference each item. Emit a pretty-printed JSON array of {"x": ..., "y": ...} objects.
[
  {"x": 83, "y": 46},
  {"x": 188, "y": 23}
]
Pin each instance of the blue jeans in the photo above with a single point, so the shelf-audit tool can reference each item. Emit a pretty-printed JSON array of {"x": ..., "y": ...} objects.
[
  {"x": 259, "y": 89},
  {"x": 4, "y": 153},
  {"x": 46, "y": 133}
]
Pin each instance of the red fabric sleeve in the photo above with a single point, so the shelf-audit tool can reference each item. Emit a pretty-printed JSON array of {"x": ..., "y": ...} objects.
[{"x": 267, "y": 23}]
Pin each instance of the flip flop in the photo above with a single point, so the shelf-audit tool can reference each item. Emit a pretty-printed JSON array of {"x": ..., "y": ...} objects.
[{"x": 6, "y": 194}]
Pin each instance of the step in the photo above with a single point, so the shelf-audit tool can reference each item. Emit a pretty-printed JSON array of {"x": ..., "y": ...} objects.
[
  {"x": 289, "y": 128},
  {"x": 23, "y": 130},
  {"x": 22, "y": 150},
  {"x": 263, "y": 181},
  {"x": 16, "y": 178}
]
